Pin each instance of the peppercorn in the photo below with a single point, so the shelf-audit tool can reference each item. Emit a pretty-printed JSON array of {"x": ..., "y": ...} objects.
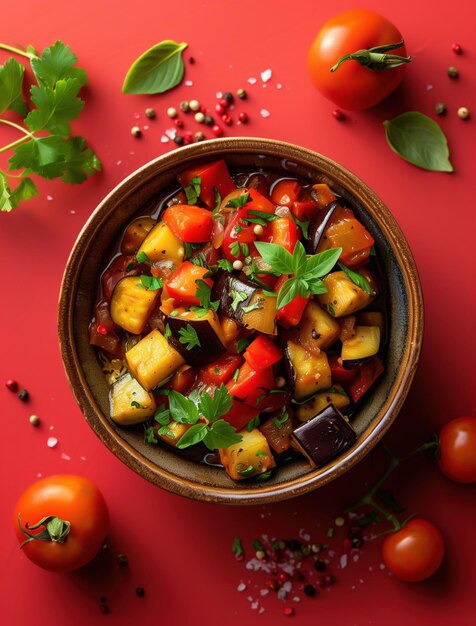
[
  {"x": 185, "y": 106},
  {"x": 227, "y": 120},
  {"x": 306, "y": 550},
  {"x": 258, "y": 230},
  {"x": 191, "y": 60},
  {"x": 288, "y": 611},
  {"x": 228, "y": 96},
  {"x": 337, "y": 113},
  {"x": 219, "y": 108},
  {"x": 282, "y": 577},
  {"x": 241, "y": 93},
  {"x": 188, "y": 137},
  {"x": 140, "y": 591},
  {"x": 309, "y": 590},
  {"x": 178, "y": 122},
  {"x": 339, "y": 521},
  {"x": 150, "y": 113},
  {"x": 316, "y": 547},
  {"x": 179, "y": 140},
  {"x": 238, "y": 265},
  {"x": 23, "y": 395},
  {"x": 217, "y": 130},
  {"x": 259, "y": 553},
  {"x": 199, "y": 117},
  {"x": 463, "y": 113},
  {"x": 194, "y": 105},
  {"x": 136, "y": 131},
  {"x": 209, "y": 121},
  {"x": 199, "y": 136},
  {"x": 347, "y": 543},
  {"x": 224, "y": 103},
  {"x": 440, "y": 108},
  {"x": 122, "y": 559},
  {"x": 11, "y": 384},
  {"x": 243, "y": 118},
  {"x": 34, "y": 420},
  {"x": 457, "y": 49},
  {"x": 172, "y": 112},
  {"x": 104, "y": 608},
  {"x": 320, "y": 566},
  {"x": 453, "y": 72}
]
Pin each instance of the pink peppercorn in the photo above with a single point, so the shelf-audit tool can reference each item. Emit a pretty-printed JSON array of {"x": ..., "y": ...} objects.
[
  {"x": 219, "y": 108},
  {"x": 224, "y": 103},
  {"x": 102, "y": 330},
  {"x": 188, "y": 137},
  {"x": 217, "y": 130},
  {"x": 203, "y": 109},
  {"x": 347, "y": 543},
  {"x": 11, "y": 384},
  {"x": 227, "y": 120},
  {"x": 457, "y": 49},
  {"x": 178, "y": 123},
  {"x": 243, "y": 118},
  {"x": 288, "y": 611},
  {"x": 337, "y": 113}
]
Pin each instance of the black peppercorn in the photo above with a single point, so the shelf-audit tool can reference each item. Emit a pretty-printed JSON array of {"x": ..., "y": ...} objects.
[
  {"x": 209, "y": 121},
  {"x": 140, "y": 591},
  {"x": 319, "y": 566},
  {"x": 23, "y": 395},
  {"x": 309, "y": 590},
  {"x": 228, "y": 96},
  {"x": 179, "y": 140}
]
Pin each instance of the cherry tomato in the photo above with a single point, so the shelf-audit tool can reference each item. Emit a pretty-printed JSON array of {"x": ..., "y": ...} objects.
[
  {"x": 415, "y": 552},
  {"x": 353, "y": 86},
  {"x": 458, "y": 450},
  {"x": 61, "y": 499}
]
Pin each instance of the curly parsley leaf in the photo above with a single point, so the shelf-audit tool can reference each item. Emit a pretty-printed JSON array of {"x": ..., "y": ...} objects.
[
  {"x": 192, "y": 191},
  {"x": 151, "y": 283},
  {"x": 11, "y": 83},
  {"x": 57, "y": 63},
  {"x": 56, "y": 107},
  {"x": 214, "y": 407},
  {"x": 221, "y": 434},
  {"x": 189, "y": 337}
]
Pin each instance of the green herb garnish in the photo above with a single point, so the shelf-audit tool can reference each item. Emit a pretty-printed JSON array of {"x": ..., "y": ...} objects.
[
  {"x": 216, "y": 210},
  {"x": 243, "y": 343},
  {"x": 357, "y": 278},
  {"x": 280, "y": 421},
  {"x": 237, "y": 547},
  {"x": 189, "y": 337},
  {"x": 253, "y": 423},
  {"x": 247, "y": 471},
  {"x": 142, "y": 258},
  {"x": 136, "y": 405},
  {"x": 149, "y": 435},
  {"x": 204, "y": 293},
  {"x": 192, "y": 190},
  {"x": 151, "y": 283},
  {"x": 239, "y": 201},
  {"x": 168, "y": 332},
  {"x": 157, "y": 70},
  {"x": 237, "y": 297}
]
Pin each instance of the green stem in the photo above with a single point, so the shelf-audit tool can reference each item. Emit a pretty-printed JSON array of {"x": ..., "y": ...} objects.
[
  {"x": 375, "y": 59},
  {"x": 55, "y": 530},
  {"x": 23, "y": 53},
  {"x": 17, "y": 142}
]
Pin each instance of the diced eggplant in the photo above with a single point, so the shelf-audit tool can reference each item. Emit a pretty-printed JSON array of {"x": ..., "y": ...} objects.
[
  {"x": 161, "y": 243},
  {"x": 324, "y": 437},
  {"x": 361, "y": 347},
  {"x": 249, "y": 457},
  {"x": 278, "y": 430},
  {"x": 334, "y": 395},
  {"x": 209, "y": 343},
  {"x": 318, "y": 226},
  {"x": 343, "y": 296},
  {"x": 135, "y": 234},
  {"x": 244, "y": 302},
  {"x": 129, "y": 403},
  {"x": 153, "y": 359},
  {"x": 306, "y": 371},
  {"x": 131, "y": 304},
  {"x": 317, "y": 330}
]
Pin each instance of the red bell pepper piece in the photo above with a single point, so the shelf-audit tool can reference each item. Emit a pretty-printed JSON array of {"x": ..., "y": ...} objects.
[
  {"x": 285, "y": 192},
  {"x": 212, "y": 176},
  {"x": 290, "y": 314},
  {"x": 240, "y": 414},
  {"x": 182, "y": 286},
  {"x": 259, "y": 202},
  {"x": 305, "y": 210},
  {"x": 191, "y": 224},
  {"x": 262, "y": 352},
  {"x": 283, "y": 232},
  {"x": 221, "y": 370},
  {"x": 237, "y": 233},
  {"x": 339, "y": 374},
  {"x": 251, "y": 384},
  {"x": 367, "y": 375}
]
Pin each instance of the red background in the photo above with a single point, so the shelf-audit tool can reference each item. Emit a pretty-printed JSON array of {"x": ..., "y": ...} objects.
[{"x": 180, "y": 550}]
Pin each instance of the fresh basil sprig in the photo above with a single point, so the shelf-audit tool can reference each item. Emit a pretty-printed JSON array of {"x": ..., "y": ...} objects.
[
  {"x": 306, "y": 272},
  {"x": 418, "y": 139},
  {"x": 357, "y": 278},
  {"x": 157, "y": 70},
  {"x": 214, "y": 432}
]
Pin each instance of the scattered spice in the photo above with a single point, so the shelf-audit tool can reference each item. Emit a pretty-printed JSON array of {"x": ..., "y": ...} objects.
[
  {"x": 457, "y": 49},
  {"x": 288, "y": 611},
  {"x": 338, "y": 114},
  {"x": 440, "y": 108},
  {"x": 136, "y": 131},
  {"x": 194, "y": 105},
  {"x": 185, "y": 106},
  {"x": 23, "y": 395},
  {"x": 463, "y": 113},
  {"x": 140, "y": 592},
  {"x": 178, "y": 122},
  {"x": 241, "y": 93},
  {"x": 11, "y": 384},
  {"x": 217, "y": 130},
  {"x": 209, "y": 121},
  {"x": 34, "y": 420},
  {"x": 122, "y": 559},
  {"x": 339, "y": 521},
  {"x": 179, "y": 140},
  {"x": 150, "y": 113},
  {"x": 243, "y": 118},
  {"x": 228, "y": 96},
  {"x": 199, "y": 117},
  {"x": 172, "y": 112},
  {"x": 199, "y": 136},
  {"x": 453, "y": 72}
]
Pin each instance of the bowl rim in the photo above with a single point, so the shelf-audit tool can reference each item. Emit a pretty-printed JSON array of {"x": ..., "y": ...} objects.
[{"x": 128, "y": 454}]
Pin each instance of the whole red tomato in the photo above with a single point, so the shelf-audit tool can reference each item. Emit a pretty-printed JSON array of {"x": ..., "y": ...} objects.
[
  {"x": 415, "y": 552},
  {"x": 352, "y": 85},
  {"x": 74, "y": 522},
  {"x": 458, "y": 450}
]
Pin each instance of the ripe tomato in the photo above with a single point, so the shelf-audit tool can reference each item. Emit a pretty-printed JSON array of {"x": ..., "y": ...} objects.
[
  {"x": 415, "y": 552},
  {"x": 61, "y": 498},
  {"x": 458, "y": 450},
  {"x": 353, "y": 86}
]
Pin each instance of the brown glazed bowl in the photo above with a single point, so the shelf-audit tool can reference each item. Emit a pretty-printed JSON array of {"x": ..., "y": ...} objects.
[{"x": 93, "y": 248}]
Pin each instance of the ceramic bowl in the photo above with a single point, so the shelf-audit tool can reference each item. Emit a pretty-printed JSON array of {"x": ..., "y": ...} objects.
[{"x": 93, "y": 248}]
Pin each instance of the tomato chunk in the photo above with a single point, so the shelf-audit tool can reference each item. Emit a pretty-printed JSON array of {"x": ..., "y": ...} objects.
[
  {"x": 282, "y": 232},
  {"x": 285, "y": 192},
  {"x": 191, "y": 224},
  {"x": 346, "y": 232},
  {"x": 182, "y": 286},
  {"x": 251, "y": 384},
  {"x": 262, "y": 352},
  {"x": 221, "y": 370},
  {"x": 240, "y": 414},
  {"x": 212, "y": 176}
]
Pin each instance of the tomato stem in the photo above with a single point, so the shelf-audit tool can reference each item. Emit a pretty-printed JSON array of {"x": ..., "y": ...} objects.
[
  {"x": 375, "y": 59},
  {"x": 55, "y": 530}
]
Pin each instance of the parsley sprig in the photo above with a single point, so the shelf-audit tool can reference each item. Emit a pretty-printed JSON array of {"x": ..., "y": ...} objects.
[
  {"x": 213, "y": 431},
  {"x": 306, "y": 272},
  {"x": 46, "y": 146}
]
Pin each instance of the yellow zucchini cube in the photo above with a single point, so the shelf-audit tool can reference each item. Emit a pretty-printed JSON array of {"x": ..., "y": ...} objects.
[
  {"x": 250, "y": 457},
  {"x": 174, "y": 433},
  {"x": 310, "y": 370},
  {"x": 153, "y": 359},
  {"x": 334, "y": 395},
  {"x": 343, "y": 296},
  {"x": 129, "y": 403},
  {"x": 317, "y": 329},
  {"x": 131, "y": 304},
  {"x": 364, "y": 343},
  {"x": 161, "y": 243}
]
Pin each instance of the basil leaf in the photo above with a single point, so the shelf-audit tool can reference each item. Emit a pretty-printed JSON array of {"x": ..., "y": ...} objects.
[
  {"x": 221, "y": 435},
  {"x": 182, "y": 409},
  {"x": 321, "y": 263},
  {"x": 419, "y": 140},
  {"x": 290, "y": 289},
  {"x": 192, "y": 436},
  {"x": 280, "y": 260},
  {"x": 157, "y": 70},
  {"x": 357, "y": 278},
  {"x": 299, "y": 259}
]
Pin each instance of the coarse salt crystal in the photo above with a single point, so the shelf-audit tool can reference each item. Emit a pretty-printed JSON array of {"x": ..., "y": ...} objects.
[
  {"x": 65, "y": 457},
  {"x": 264, "y": 592},
  {"x": 382, "y": 566},
  {"x": 266, "y": 75},
  {"x": 118, "y": 162},
  {"x": 136, "y": 116},
  {"x": 49, "y": 198},
  {"x": 254, "y": 605},
  {"x": 52, "y": 441},
  {"x": 343, "y": 561},
  {"x": 146, "y": 127},
  {"x": 265, "y": 113},
  {"x": 219, "y": 94},
  {"x": 171, "y": 132},
  {"x": 252, "y": 80},
  {"x": 241, "y": 587},
  {"x": 429, "y": 87},
  {"x": 304, "y": 535},
  {"x": 296, "y": 599},
  {"x": 164, "y": 139},
  {"x": 279, "y": 86},
  {"x": 261, "y": 609},
  {"x": 83, "y": 458},
  {"x": 356, "y": 557},
  {"x": 189, "y": 83}
]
